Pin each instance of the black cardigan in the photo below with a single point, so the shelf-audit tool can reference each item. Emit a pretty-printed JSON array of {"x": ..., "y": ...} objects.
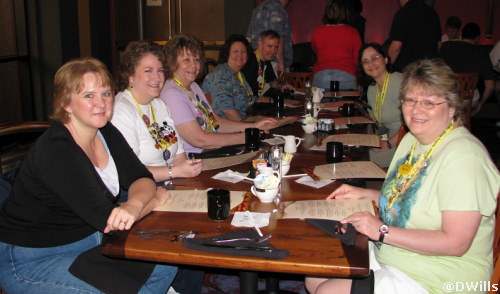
[{"x": 58, "y": 197}]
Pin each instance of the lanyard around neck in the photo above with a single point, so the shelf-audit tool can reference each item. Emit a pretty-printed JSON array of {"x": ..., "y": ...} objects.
[{"x": 380, "y": 98}]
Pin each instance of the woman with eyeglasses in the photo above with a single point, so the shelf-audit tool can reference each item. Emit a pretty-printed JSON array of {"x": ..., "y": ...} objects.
[
  {"x": 438, "y": 200},
  {"x": 383, "y": 98}
]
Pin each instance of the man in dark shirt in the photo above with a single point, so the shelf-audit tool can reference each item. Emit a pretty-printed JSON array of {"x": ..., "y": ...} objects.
[
  {"x": 465, "y": 56},
  {"x": 415, "y": 33},
  {"x": 258, "y": 70}
]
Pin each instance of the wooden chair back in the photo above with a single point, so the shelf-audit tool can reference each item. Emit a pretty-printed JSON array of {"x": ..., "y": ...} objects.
[
  {"x": 468, "y": 84},
  {"x": 16, "y": 140},
  {"x": 296, "y": 79},
  {"x": 401, "y": 133},
  {"x": 495, "y": 278}
]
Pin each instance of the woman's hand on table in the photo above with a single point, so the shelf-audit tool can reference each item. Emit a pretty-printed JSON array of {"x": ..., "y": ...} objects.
[
  {"x": 187, "y": 168},
  {"x": 265, "y": 124},
  {"x": 346, "y": 191},
  {"x": 123, "y": 217},
  {"x": 365, "y": 223}
]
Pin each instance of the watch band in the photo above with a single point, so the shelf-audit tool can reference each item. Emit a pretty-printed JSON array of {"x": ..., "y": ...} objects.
[{"x": 383, "y": 230}]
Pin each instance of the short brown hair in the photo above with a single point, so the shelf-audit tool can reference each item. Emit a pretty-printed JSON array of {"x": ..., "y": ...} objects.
[
  {"x": 337, "y": 12},
  {"x": 178, "y": 45},
  {"x": 434, "y": 77},
  {"x": 130, "y": 58},
  {"x": 69, "y": 79}
]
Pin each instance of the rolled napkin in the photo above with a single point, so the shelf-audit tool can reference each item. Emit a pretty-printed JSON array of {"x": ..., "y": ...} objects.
[
  {"x": 328, "y": 226},
  {"x": 244, "y": 247}
]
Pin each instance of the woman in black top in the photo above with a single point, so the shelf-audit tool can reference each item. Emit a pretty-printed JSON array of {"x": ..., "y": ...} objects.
[{"x": 65, "y": 195}]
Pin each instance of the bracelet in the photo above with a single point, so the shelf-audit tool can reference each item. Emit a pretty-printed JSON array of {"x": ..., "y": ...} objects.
[{"x": 170, "y": 174}]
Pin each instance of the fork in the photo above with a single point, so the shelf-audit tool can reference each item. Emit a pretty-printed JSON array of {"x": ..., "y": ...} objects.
[{"x": 257, "y": 240}]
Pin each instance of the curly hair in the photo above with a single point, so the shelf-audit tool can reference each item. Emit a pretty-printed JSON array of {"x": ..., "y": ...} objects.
[
  {"x": 69, "y": 80},
  {"x": 432, "y": 77},
  {"x": 131, "y": 57},
  {"x": 178, "y": 45}
]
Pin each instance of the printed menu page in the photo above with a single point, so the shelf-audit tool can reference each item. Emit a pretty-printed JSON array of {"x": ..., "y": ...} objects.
[
  {"x": 349, "y": 170},
  {"x": 354, "y": 140},
  {"x": 194, "y": 201},
  {"x": 332, "y": 209},
  {"x": 225, "y": 161}
]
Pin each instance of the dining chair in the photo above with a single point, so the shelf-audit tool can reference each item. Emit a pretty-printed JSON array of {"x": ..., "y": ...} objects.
[
  {"x": 296, "y": 79},
  {"x": 401, "y": 133},
  {"x": 495, "y": 278},
  {"x": 468, "y": 83}
]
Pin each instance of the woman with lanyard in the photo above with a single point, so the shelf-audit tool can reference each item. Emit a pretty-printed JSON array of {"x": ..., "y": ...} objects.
[
  {"x": 193, "y": 116},
  {"x": 437, "y": 205},
  {"x": 147, "y": 125},
  {"x": 146, "y": 122},
  {"x": 230, "y": 92},
  {"x": 383, "y": 98}
]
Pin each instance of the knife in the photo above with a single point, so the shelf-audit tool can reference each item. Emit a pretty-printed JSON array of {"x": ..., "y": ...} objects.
[{"x": 268, "y": 249}]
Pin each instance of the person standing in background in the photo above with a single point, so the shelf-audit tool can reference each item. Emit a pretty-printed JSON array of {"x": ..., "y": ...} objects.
[
  {"x": 271, "y": 15},
  {"x": 415, "y": 33}
]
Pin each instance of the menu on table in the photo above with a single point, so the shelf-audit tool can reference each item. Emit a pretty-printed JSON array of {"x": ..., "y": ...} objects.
[
  {"x": 332, "y": 209},
  {"x": 349, "y": 170},
  {"x": 194, "y": 201},
  {"x": 342, "y": 122},
  {"x": 221, "y": 162},
  {"x": 332, "y": 105},
  {"x": 353, "y": 140},
  {"x": 288, "y": 102}
]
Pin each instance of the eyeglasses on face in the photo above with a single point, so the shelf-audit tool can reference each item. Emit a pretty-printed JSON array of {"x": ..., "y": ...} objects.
[
  {"x": 426, "y": 104},
  {"x": 374, "y": 58}
]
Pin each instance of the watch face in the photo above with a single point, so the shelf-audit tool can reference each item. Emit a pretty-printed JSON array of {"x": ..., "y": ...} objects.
[{"x": 384, "y": 229}]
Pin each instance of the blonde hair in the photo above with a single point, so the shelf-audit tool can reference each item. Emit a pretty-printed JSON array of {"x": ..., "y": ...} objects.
[
  {"x": 434, "y": 77},
  {"x": 69, "y": 79}
]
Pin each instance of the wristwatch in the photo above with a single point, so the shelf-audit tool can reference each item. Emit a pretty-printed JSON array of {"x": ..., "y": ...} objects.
[
  {"x": 389, "y": 145},
  {"x": 383, "y": 230}
]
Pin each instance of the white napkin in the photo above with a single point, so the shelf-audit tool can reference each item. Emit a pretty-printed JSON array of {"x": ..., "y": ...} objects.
[
  {"x": 308, "y": 181},
  {"x": 241, "y": 219},
  {"x": 274, "y": 141},
  {"x": 229, "y": 176}
]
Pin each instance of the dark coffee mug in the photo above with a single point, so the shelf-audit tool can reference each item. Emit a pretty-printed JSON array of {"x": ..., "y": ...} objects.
[
  {"x": 252, "y": 139},
  {"x": 280, "y": 100},
  {"x": 334, "y": 152},
  {"x": 347, "y": 109},
  {"x": 218, "y": 201},
  {"x": 334, "y": 86}
]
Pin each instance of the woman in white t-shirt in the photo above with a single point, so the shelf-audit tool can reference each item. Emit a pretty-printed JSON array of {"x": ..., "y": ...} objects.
[{"x": 145, "y": 121}]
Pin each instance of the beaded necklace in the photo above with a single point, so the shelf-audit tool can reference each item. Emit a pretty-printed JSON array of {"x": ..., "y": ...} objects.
[
  {"x": 380, "y": 98},
  {"x": 211, "y": 124},
  {"x": 162, "y": 138},
  {"x": 408, "y": 172},
  {"x": 261, "y": 72}
]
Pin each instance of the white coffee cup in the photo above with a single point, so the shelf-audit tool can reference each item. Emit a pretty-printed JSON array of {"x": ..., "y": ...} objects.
[
  {"x": 309, "y": 128},
  {"x": 265, "y": 195},
  {"x": 291, "y": 143},
  {"x": 285, "y": 167},
  {"x": 316, "y": 110}
]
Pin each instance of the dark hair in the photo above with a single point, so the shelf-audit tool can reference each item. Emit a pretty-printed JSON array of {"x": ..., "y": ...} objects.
[
  {"x": 69, "y": 79},
  {"x": 131, "y": 57},
  {"x": 178, "y": 45},
  {"x": 224, "y": 54},
  {"x": 453, "y": 22},
  {"x": 337, "y": 12},
  {"x": 434, "y": 77},
  {"x": 363, "y": 78},
  {"x": 471, "y": 31},
  {"x": 269, "y": 33}
]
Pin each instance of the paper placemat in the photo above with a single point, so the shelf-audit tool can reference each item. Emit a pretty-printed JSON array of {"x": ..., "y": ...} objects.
[
  {"x": 221, "y": 162},
  {"x": 342, "y": 122},
  {"x": 353, "y": 140},
  {"x": 279, "y": 121},
  {"x": 194, "y": 201}
]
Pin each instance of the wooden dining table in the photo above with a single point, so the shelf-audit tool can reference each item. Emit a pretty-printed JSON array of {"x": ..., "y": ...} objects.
[{"x": 311, "y": 251}]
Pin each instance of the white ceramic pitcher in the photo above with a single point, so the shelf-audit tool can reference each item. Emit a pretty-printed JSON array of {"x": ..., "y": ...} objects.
[{"x": 291, "y": 143}]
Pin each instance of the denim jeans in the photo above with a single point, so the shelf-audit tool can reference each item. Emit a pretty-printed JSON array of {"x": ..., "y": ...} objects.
[
  {"x": 346, "y": 80},
  {"x": 45, "y": 270}
]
